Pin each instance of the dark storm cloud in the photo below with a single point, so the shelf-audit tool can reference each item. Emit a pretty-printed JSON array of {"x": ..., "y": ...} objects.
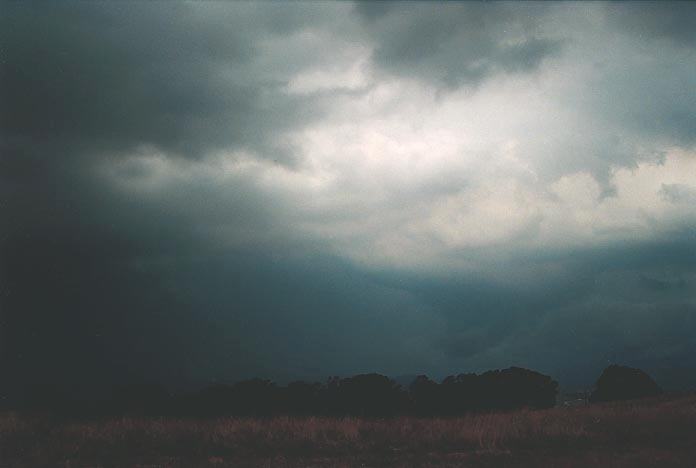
[
  {"x": 128, "y": 251},
  {"x": 633, "y": 304},
  {"x": 457, "y": 43},
  {"x": 189, "y": 319},
  {"x": 83, "y": 84},
  {"x": 672, "y": 21},
  {"x": 93, "y": 79}
]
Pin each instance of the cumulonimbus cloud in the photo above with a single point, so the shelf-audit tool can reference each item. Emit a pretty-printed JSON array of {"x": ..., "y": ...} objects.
[{"x": 475, "y": 167}]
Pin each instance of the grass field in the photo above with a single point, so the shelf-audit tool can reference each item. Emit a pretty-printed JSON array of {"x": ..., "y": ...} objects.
[{"x": 658, "y": 432}]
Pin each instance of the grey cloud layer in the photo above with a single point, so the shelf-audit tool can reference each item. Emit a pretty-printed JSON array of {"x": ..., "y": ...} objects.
[
  {"x": 456, "y": 43},
  {"x": 294, "y": 190},
  {"x": 107, "y": 78}
]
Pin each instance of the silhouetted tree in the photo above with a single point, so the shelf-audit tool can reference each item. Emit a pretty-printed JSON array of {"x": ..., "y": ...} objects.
[
  {"x": 624, "y": 383},
  {"x": 505, "y": 389},
  {"x": 216, "y": 400},
  {"x": 369, "y": 395},
  {"x": 141, "y": 399},
  {"x": 256, "y": 397},
  {"x": 517, "y": 388},
  {"x": 303, "y": 398},
  {"x": 425, "y": 396},
  {"x": 460, "y": 394}
]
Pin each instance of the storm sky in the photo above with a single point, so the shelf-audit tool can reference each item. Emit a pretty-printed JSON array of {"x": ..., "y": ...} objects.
[{"x": 197, "y": 192}]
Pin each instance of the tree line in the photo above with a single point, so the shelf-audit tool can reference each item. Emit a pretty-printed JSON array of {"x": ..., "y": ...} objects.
[
  {"x": 365, "y": 395},
  {"x": 369, "y": 395},
  {"x": 376, "y": 395}
]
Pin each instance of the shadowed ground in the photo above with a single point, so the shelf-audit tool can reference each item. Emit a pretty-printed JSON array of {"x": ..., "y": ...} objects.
[{"x": 651, "y": 432}]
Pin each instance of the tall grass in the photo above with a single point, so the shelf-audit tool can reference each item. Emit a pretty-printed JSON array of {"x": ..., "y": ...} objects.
[{"x": 660, "y": 423}]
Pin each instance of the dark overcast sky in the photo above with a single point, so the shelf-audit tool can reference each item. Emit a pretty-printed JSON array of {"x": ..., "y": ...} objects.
[{"x": 200, "y": 191}]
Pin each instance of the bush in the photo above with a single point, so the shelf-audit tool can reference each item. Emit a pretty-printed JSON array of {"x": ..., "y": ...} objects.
[{"x": 624, "y": 383}]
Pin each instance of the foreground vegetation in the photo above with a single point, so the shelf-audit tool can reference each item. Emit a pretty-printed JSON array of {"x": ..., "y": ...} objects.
[{"x": 652, "y": 432}]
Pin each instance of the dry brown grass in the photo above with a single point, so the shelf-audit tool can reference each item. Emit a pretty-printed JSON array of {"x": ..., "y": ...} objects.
[{"x": 657, "y": 432}]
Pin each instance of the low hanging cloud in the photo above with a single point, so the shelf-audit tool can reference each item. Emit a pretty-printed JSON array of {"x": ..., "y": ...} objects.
[
  {"x": 457, "y": 43},
  {"x": 303, "y": 189}
]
